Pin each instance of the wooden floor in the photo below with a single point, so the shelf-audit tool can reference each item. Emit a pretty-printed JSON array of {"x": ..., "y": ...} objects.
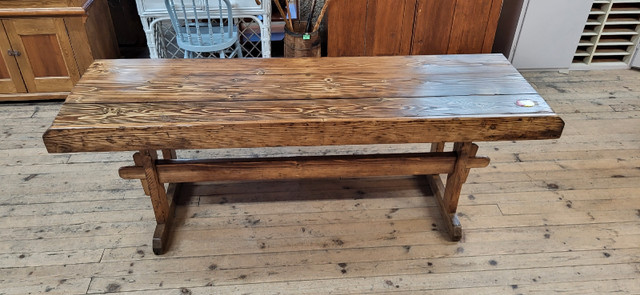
[{"x": 558, "y": 216}]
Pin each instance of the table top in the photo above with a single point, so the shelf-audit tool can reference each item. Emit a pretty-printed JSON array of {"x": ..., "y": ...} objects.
[{"x": 135, "y": 104}]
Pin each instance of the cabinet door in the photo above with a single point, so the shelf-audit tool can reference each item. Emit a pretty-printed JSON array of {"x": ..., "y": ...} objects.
[
  {"x": 432, "y": 26},
  {"x": 474, "y": 28},
  {"x": 389, "y": 27},
  {"x": 10, "y": 78},
  {"x": 455, "y": 27},
  {"x": 370, "y": 27},
  {"x": 346, "y": 27},
  {"x": 46, "y": 58}
]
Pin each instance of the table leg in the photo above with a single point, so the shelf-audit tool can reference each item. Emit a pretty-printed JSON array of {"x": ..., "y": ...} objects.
[
  {"x": 169, "y": 154},
  {"x": 163, "y": 201},
  {"x": 137, "y": 159},
  {"x": 437, "y": 147},
  {"x": 448, "y": 195}
]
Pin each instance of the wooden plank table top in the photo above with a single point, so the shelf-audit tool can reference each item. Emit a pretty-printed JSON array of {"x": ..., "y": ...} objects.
[{"x": 137, "y": 104}]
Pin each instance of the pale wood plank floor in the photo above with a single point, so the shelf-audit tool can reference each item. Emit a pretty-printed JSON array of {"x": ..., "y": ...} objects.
[{"x": 560, "y": 216}]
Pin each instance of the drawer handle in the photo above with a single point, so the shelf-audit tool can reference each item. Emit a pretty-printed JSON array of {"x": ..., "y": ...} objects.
[{"x": 14, "y": 52}]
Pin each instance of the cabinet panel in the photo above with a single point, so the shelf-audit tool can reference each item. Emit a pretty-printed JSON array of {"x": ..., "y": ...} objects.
[
  {"x": 432, "y": 14},
  {"x": 492, "y": 26},
  {"x": 46, "y": 60},
  {"x": 44, "y": 55},
  {"x": 389, "y": 26},
  {"x": 470, "y": 25},
  {"x": 346, "y": 22},
  {"x": 10, "y": 78}
]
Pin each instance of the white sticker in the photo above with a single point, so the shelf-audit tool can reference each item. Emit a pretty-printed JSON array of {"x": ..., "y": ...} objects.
[{"x": 526, "y": 103}]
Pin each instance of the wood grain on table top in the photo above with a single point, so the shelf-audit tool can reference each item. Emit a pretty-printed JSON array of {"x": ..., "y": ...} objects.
[{"x": 196, "y": 103}]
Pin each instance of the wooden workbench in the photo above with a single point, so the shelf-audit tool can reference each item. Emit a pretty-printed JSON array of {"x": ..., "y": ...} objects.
[{"x": 166, "y": 105}]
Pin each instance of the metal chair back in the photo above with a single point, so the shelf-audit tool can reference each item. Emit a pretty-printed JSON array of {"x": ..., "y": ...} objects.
[{"x": 197, "y": 30}]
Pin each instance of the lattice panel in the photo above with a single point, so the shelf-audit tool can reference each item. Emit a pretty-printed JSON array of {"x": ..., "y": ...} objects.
[{"x": 249, "y": 39}]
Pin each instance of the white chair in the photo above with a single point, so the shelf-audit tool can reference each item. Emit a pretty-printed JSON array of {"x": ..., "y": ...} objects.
[{"x": 198, "y": 32}]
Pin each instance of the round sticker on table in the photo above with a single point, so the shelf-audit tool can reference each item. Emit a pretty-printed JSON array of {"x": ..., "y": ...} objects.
[{"x": 526, "y": 103}]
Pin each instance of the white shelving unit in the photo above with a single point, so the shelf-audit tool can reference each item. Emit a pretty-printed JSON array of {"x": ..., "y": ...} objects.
[{"x": 610, "y": 35}]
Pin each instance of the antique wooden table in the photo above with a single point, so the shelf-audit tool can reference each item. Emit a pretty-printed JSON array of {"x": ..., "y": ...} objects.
[{"x": 164, "y": 105}]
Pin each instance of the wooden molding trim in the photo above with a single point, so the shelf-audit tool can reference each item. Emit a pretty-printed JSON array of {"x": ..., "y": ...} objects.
[
  {"x": 31, "y": 12},
  {"x": 33, "y": 96}
]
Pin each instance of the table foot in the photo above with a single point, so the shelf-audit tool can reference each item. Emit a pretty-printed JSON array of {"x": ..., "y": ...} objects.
[
  {"x": 451, "y": 221},
  {"x": 160, "y": 238},
  {"x": 455, "y": 233},
  {"x": 162, "y": 233}
]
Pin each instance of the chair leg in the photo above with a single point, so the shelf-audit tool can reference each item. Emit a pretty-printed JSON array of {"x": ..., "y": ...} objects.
[
  {"x": 239, "y": 49},
  {"x": 186, "y": 54}
]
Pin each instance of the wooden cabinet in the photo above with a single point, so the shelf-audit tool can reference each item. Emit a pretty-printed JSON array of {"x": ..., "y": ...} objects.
[
  {"x": 402, "y": 27},
  {"x": 46, "y": 46}
]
